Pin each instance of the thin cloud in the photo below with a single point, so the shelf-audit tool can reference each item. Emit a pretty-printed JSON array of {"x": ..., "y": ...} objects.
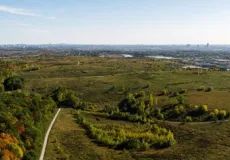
[
  {"x": 37, "y": 30},
  {"x": 23, "y": 24},
  {"x": 20, "y": 11},
  {"x": 51, "y": 17}
]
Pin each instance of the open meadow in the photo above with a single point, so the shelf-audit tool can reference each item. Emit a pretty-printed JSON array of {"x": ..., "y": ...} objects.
[{"x": 130, "y": 108}]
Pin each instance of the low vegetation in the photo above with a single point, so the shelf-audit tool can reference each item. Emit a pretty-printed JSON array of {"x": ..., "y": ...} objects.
[
  {"x": 145, "y": 137},
  {"x": 177, "y": 109},
  {"x": 130, "y": 108}
]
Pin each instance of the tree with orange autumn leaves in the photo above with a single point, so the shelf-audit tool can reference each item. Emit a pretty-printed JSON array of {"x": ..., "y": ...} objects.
[
  {"x": 22, "y": 119},
  {"x": 9, "y": 147}
]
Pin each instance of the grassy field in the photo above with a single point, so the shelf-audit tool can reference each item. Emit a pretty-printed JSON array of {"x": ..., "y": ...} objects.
[
  {"x": 69, "y": 140},
  {"x": 194, "y": 141},
  {"x": 106, "y": 81}
]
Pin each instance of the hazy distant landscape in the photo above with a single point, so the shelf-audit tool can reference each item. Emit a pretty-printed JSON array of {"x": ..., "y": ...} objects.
[{"x": 206, "y": 56}]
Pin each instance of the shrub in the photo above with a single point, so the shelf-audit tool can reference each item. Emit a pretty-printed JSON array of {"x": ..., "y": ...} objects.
[
  {"x": 196, "y": 107},
  {"x": 175, "y": 94},
  {"x": 172, "y": 102},
  {"x": 177, "y": 111},
  {"x": 68, "y": 97},
  {"x": 72, "y": 100},
  {"x": 181, "y": 99},
  {"x": 183, "y": 91},
  {"x": 111, "y": 109},
  {"x": 160, "y": 116},
  {"x": 32, "y": 68},
  {"x": 129, "y": 104},
  {"x": 145, "y": 146},
  {"x": 216, "y": 112},
  {"x": 222, "y": 114},
  {"x": 164, "y": 92},
  {"x": 188, "y": 119},
  {"x": 151, "y": 100},
  {"x": 209, "y": 89},
  {"x": 203, "y": 108},
  {"x": 212, "y": 116},
  {"x": 182, "y": 109},
  {"x": 157, "y": 112},
  {"x": 13, "y": 83},
  {"x": 142, "y": 94},
  {"x": 132, "y": 144},
  {"x": 201, "y": 88}
]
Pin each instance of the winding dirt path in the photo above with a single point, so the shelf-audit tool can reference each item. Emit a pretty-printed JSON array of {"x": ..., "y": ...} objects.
[{"x": 47, "y": 135}]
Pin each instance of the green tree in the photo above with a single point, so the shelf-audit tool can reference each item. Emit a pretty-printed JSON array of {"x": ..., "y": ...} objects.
[
  {"x": 151, "y": 100},
  {"x": 222, "y": 114},
  {"x": 160, "y": 116},
  {"x": 216, "y": 111},
  {"x": 212, "y": 116},
  {"x": 188, "y": 119},
  {"x": 181, "y": 99},
  {"x": 203, "y": 108},
  {"x": 164, "y": 92},
  {"x": 141, "y": 108},
  {"x": 13, "y": 83}
]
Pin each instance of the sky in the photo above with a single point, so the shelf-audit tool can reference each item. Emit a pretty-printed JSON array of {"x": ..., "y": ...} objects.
[{"x": 115, "y": 21}]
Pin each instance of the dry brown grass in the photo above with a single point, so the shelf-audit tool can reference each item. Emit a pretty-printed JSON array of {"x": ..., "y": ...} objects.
[{"x": 214, "y": 99}]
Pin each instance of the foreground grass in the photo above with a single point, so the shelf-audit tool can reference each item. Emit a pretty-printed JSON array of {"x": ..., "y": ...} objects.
[{"x": 68, "y": 140}]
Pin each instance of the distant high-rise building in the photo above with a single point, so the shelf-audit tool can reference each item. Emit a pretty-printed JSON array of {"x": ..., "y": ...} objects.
[{"x": 207, "y": 45}]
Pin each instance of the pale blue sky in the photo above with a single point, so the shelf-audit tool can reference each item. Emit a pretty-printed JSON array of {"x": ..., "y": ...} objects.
[{"x": 115, "y": 21}]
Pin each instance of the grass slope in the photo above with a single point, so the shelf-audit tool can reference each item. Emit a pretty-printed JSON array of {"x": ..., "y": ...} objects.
[{"x": 106, "y": 81}]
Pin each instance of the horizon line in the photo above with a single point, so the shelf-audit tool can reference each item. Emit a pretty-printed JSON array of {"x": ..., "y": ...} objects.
[{"x": 162, "y": 44}]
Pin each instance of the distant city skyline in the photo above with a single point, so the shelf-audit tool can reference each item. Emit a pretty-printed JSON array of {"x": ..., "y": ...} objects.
[{"x": 153, "y": 22}]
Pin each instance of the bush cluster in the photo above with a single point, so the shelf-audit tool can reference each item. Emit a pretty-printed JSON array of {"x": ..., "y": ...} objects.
[
  {"x": 198, "y": 113},
  {"x": 117, "y": 137},
  {"x": 69, "y": 98},
  {"x": 183, "y": 91},
  {"x": 203, "y": 88},
  {"x": 139, "y": 103},
  {"x": 218, "y": 114}
]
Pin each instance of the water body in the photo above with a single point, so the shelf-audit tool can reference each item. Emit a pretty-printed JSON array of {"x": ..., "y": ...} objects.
[
  {"x": 127, "y": 55},
  {"x": 222, "y": 60},
  {"x": 192, "y": 67},
  {"x": 160, "y": 57}
]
